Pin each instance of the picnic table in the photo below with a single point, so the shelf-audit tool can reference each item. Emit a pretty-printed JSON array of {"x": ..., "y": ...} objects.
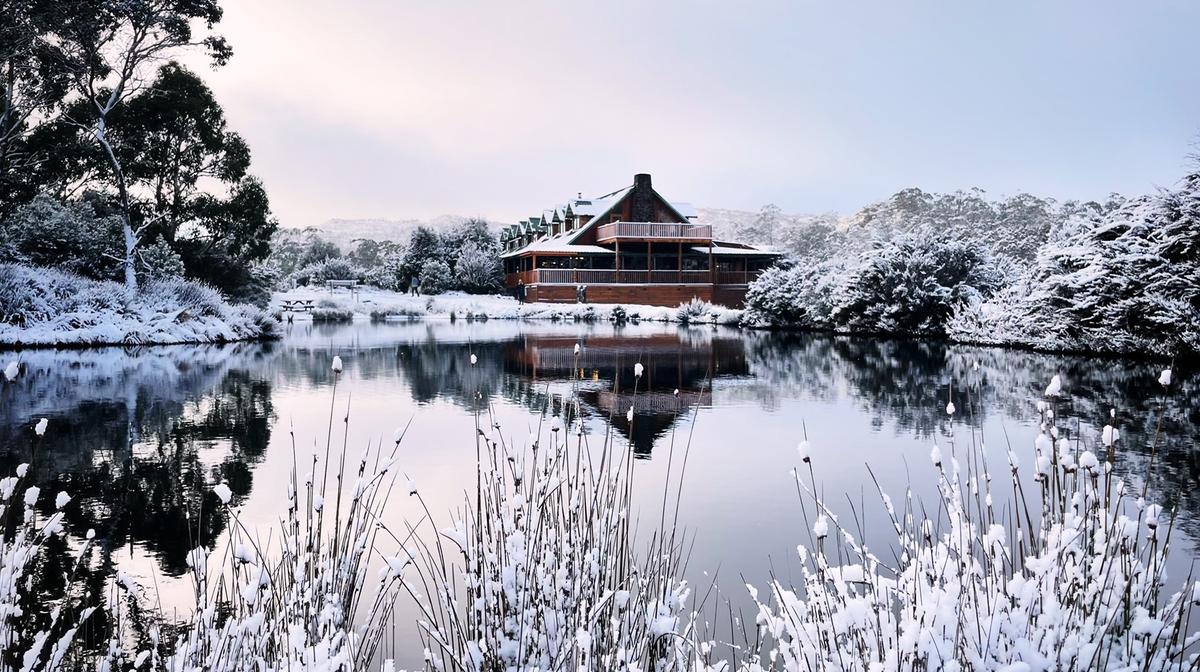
[{"x": 298, "y": 305}]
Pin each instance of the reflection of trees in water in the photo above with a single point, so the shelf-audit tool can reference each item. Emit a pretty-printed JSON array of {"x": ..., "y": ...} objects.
[
  {"x": 137, "y": 454},
  {"x": 137, "y": 437},
  {"x": 906, "y": 382}
]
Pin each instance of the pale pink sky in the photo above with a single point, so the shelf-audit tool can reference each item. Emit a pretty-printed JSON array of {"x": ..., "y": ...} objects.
[{"x": 406, "y": 109}]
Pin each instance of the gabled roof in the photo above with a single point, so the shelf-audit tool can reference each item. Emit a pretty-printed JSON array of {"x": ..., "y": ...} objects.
[
  {"x": 560, "y": 242},
  {"x": 596, "y": 208}
]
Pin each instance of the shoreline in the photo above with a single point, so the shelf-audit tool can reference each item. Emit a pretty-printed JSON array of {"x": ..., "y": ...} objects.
[{"x": 383, "y": 306}]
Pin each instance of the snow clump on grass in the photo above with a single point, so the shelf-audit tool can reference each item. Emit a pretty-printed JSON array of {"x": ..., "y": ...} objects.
[{"x": 1073, "y": 580}]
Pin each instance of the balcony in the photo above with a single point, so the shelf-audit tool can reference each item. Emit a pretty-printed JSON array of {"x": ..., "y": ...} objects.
[
  {"x": 654, "y": 231},
  {"x": 589, "y": 276}
]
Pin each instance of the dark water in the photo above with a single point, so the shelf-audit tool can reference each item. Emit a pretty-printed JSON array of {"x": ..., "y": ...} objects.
[{"x": 138, "y": 437}]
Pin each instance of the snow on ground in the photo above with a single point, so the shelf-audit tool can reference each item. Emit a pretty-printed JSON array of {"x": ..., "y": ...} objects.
[
  {"x": 374, "y": 303},
  {"x": 48, "y": 307}
]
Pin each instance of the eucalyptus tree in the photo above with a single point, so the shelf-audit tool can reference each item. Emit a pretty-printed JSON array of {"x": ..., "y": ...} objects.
[
  {"x": 30, "y": 89},
  {"x": 108, "y": 52}
]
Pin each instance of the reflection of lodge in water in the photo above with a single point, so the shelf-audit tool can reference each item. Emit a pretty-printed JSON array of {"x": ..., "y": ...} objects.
[{"x": 604, "y": 383}]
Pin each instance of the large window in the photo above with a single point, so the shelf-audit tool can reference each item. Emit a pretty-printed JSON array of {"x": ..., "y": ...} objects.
[
  {"x": 666, "y": 262},
  {"x": 633, "y": 262}
]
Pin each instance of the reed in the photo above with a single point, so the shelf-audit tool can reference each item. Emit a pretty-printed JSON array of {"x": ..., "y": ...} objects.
[{"x": 1069, "y": 575}]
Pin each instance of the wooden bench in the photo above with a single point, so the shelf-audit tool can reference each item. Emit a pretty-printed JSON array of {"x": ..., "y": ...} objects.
[{"x": 348, "y": 285}]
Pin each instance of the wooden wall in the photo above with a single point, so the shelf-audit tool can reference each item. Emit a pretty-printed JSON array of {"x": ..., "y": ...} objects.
[{"x": 651, "y": 295}]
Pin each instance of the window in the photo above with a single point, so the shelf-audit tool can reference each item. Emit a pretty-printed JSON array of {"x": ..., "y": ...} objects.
[{"x": 612, "y": 219}]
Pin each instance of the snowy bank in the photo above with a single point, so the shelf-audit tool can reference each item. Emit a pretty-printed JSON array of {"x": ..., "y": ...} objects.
[
  {"x": 380, "y": 304},
  {"x": 46, "y": 307}
]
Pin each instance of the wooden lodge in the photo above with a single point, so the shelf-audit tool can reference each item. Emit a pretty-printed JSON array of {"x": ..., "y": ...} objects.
[{"x": 629, "y": 246}]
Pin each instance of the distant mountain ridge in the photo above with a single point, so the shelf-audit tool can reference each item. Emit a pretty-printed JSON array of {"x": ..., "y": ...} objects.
[
  {"x": 1014, "y": 226},
  {"x": 343, "y": 231},
  {"x": 726, "y": 222}
]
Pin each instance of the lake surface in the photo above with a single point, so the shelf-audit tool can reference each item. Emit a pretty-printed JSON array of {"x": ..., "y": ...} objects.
[{"x": 139, "y": 437}]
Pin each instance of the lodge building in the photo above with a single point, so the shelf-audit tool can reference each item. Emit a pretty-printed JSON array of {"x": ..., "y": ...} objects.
[{"x": 629, "y": 246}]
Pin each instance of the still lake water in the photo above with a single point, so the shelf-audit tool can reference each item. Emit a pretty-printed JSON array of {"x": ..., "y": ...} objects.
[{"x": 138, "y": 437}]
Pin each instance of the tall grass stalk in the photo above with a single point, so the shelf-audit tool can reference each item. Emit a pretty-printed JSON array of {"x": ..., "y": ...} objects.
[
  {"x": 1067, "y": 577},
  {"x": 543, "y": 569}
]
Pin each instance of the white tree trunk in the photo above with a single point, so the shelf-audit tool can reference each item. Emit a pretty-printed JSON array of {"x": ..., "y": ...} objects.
[
  {"x": 131, "y": 284},
  {"x": 131, "y": 239}
]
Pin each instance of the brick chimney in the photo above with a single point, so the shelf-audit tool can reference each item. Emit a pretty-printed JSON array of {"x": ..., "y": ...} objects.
[{"x": 642, "y": 199}]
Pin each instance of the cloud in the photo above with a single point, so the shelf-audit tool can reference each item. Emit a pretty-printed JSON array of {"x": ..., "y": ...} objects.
[{"x": 417, "y": 109}]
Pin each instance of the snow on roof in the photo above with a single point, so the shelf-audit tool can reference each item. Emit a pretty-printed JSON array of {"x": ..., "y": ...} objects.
[
  {"x": 560, "y": 242},
  {"x": 596, "y": 207},
  {"x": 726, "y": 249},
  {"x": 557, "y": 244},
  {"x": 686, "y": 209}
]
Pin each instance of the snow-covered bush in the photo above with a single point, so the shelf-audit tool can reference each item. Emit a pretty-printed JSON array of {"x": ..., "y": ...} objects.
[
  {"x": 913, "y": 285},
  {"x": 1070, "y": 576},
  {"x": 436, "y": 277},
  {"x": 478, "y": 271},
  {"x": 159, "y": 261},
  {"x": 68, "y": 236},
  {"x": 543, "y": 572},
  {"x": 45, "y": 307},
  {"x": 1125, "y": 281},
  {"x": 334, "y": 268},
  {"x": 694, "y": 311},
  {"x": 799, "y": 296}
]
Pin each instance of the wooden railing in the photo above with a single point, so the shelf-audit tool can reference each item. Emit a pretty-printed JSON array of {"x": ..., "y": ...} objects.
[
  {"x": 590, "y": 276},
  {"x": 737, "y": 277},
  {"x": 587, "y": 276},
  {"x": 653, "y": 231}
]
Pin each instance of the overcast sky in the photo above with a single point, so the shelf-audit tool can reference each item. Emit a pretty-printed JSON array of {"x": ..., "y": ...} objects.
[{"x": 397, "y": 110}]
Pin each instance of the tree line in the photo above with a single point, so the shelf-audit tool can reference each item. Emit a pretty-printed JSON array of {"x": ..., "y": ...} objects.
[
  {"x": 116, "y": 161},
  {"x": 465, "y": 257},
  {"x": 1118, "y": 277}
]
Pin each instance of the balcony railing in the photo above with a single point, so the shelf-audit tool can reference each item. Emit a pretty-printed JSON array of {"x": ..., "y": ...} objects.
[
  {"x": 588, "y": 276},
  {"x": 653, "y": 231}
]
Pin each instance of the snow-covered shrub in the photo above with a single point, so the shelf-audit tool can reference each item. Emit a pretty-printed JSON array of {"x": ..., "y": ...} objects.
[
  {"x": 67, "y": 236},
  {"x": 478, "y": 270},
  {"x": 694, "y": 311},
  {"x": 543, "y": 571},
  {"x": 1125, "y": 281},
  {"x": 1068, "y": 577},
  {"x": 334, "y": 268},
  {"x": 159, "y": 261},
  {"x": 336, "y": 314},
  {"x": 913, "y": 285},
  {"x": 44, "y": 306},
  {"x": 436, "y": 277},
  {"x": 799, "y": 296}
]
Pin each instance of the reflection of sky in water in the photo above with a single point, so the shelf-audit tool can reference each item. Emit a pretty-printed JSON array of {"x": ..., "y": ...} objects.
[{"x": 205, "y": 413}]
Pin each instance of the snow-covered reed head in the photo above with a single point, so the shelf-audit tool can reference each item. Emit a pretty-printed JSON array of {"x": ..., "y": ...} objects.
[
  {"x": 1069, "y": 578},
  {"x": 544, "y": 572}
]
